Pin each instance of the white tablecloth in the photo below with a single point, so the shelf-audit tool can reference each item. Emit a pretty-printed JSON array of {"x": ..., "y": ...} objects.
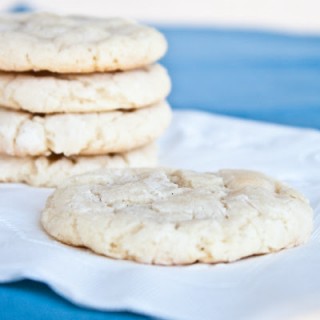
[{"x": 275, "y": 286}]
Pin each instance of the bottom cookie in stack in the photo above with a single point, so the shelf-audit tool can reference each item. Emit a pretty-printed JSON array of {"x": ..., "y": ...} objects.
[{"x": 51, "y": 171}]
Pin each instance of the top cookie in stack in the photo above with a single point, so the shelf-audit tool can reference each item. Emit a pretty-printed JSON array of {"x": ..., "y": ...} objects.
[{"x": 78, "y": 94}]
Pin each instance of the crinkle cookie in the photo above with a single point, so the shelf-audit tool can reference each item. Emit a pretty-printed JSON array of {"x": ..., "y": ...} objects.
[
  {"x": 168, "y": 217},
  {"x": 50, "y": 93},
  {"x": 75, "y": 44},
  {"x": 24, "y": 134},
  {"x": 51, "y": 171}
]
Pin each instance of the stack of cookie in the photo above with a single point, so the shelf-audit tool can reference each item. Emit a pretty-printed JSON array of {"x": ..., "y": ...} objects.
[{"x": 78, "y": 94}]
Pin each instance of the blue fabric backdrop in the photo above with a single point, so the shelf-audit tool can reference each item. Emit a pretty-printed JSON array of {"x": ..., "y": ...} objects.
[{"x": 256, "y": 75}]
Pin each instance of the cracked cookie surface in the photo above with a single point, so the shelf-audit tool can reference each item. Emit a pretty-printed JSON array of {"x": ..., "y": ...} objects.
[
  {"x": 76, "y": 44},
  {"x": 51, "y": 171},
  {"x": 48, "y": 93},
  {"x": 24, "y": 134},
  {"x": 166, "y": 216}
]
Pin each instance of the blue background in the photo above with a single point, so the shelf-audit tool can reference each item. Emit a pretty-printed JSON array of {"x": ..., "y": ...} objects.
[{"x": 255, "y": 75}]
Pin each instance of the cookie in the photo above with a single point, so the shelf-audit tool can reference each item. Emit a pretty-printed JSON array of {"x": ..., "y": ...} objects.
[
  {"x": 51, "y": 171},
  {"x": 163, "y": 216},
  {"x": 25, "y": 134},
  {"x": 75, "y": 44},
  {"x": 49, "y": 93}
]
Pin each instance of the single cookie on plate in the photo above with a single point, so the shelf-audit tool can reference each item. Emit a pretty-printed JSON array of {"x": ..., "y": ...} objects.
[
  {"x": 51, "y": 171},
  {"x": 24, "y": 134},
  {"x": 75, "y": 44},
  {"x": 50, "y": 93},
  {"x": 165, "y": 216}
]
